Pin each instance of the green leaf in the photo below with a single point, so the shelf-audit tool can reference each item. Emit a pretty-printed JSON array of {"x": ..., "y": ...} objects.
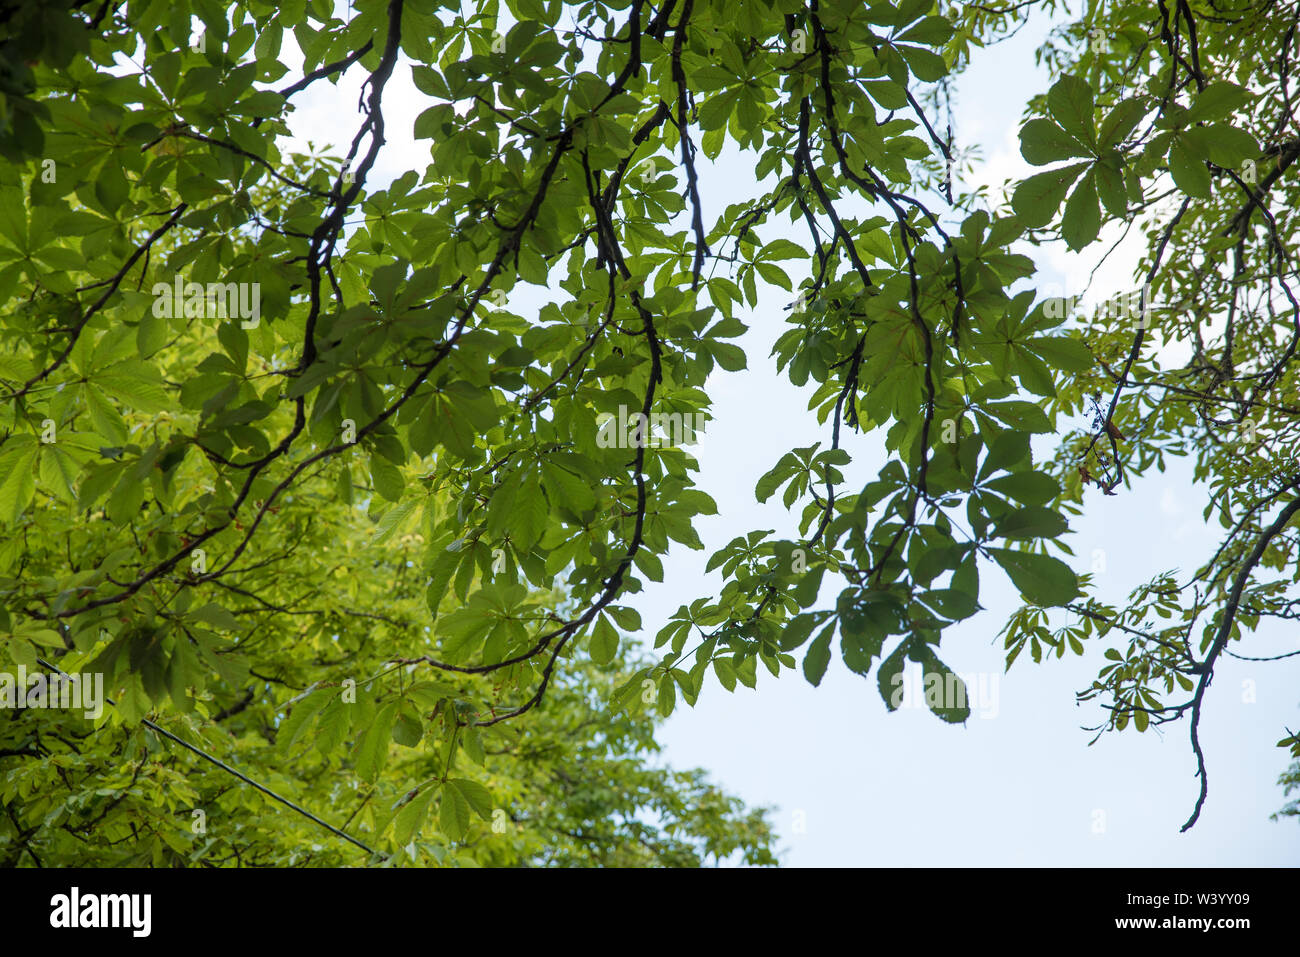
[
  {"x": 151, "y": 335},
  {"x": 299, "y": 716},
  {"x": 392, "y": 520},
  {"x": 1063, "y": 352},
  {"x": 1042, "y": 579},
  {"x": 932, "y": 31},
  {"x": 476, "y": 795},
  {"x": 107, "y": 421},
  {"x": 1032, "y": 522},
  {"x": 890, "y": 95},
  {"x": 15, "y": 368},
  {"x": 925, "y": 64},
  {"x": 1032, "y": 488},
  {"x": 888, "y": 675},
  {"x": 111, "y": 188},
  {"x": 945, "y": 692},
  {"x": 782, "y": 249},
  {"x": 604, "y": 642},
  {"x": 1082, "y": 219},
  {"x": 717, "y": 109},
  {"x": 1190, "y": 174},
  {"x": 423, "y": 435},
  {"x": 818, "y": 656},
  {"x": 1110, "y": 187},
  {"x": 667, "y": 698},
  {"x": 773, "y": 479},
  {"x": 332, "y": 726},
  {"x": 408, "y": 729},
  {"x": 1217, "y": 101},
  {"x": 776, "y": 276},
  {"x": 59, "y": 472},
  {"x": 445, "y": 563},
  {"x": 387, "y": 478},
  {"x": 797, "y": 631},
  {"x": 23, "y": 653},
  {"x": 866, "y": 618},
  {"x": 1070, "y": 102},
  {"x": 216, "y": 616},
  {"x": 453, "y": 816},
  {"x": 529, "y": 516},
  {"x": 45, "y": 637},
  {"x": 1020, "y": 415},
  {"x": 563, "y": 488},
  {"x": 726, "y": 672},
  {"x": 1229, "y": 147},
  {"x": 372, "y": 748},
  {"x": 1037, "y": 198},
  {"x": 412, "y": 816},
  {"x": 1120, "y": 122},
  {"x": 1043, "y": 142},
  {"x": 136, "y": 384},
  {"x": 729, "y": 355}
]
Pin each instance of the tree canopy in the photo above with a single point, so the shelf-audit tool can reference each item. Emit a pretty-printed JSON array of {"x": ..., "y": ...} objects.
[{"x": 282, "y": 462}]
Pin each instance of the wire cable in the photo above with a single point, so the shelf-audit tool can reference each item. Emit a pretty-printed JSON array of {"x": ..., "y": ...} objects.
[{"x": 227, "y": 768}]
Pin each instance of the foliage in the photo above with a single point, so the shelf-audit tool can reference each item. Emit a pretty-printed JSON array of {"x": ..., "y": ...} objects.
[
  {"x": 385, "y": 368},
  {"x": 1290, "y": 779},
  {"x": 294, "y": 684}
]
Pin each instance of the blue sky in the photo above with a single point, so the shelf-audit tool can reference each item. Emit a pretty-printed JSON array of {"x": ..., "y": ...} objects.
[
  {"x": 852, "y": 784},
  {"x": 1024, "y": 787}
]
